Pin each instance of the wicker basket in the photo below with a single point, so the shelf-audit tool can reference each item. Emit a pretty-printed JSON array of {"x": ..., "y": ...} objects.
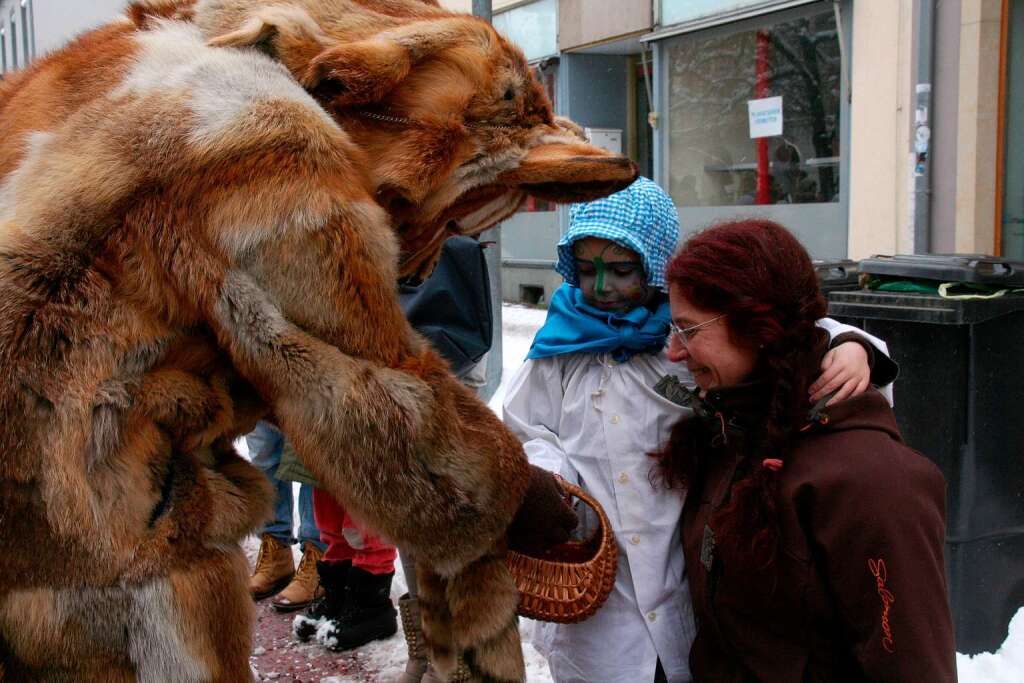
[{"x": 569, "y": 582}]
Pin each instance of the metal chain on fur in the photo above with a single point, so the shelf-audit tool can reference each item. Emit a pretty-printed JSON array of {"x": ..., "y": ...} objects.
[{"x": 403, "y": 121}]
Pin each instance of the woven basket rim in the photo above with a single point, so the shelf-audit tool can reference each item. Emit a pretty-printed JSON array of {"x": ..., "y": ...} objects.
[{"x": 562, "y": 590}]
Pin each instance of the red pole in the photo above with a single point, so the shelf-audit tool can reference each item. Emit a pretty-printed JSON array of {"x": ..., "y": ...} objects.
[{"x": 761, "y": 90}]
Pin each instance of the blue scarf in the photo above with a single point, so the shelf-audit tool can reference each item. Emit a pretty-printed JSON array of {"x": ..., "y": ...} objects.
[{"x": 573, "y": 326}]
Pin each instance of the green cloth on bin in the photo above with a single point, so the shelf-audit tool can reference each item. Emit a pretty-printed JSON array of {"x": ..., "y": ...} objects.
[
  {"x": 947, "y": 290},
  {"x": 292, "y": 469}
]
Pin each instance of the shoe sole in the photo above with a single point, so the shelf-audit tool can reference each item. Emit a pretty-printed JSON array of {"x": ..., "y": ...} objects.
[
  {"x": 379, "y": 634},
  {"x": 273, "y": 590},
  {"x": 290, "y": 607}
]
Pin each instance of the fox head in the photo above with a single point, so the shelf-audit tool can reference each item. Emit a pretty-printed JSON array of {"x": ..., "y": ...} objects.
[{"x": 456, "y": 129}]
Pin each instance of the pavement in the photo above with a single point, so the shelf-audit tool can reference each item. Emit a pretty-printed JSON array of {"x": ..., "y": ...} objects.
[{"x": 277, "y": 656}]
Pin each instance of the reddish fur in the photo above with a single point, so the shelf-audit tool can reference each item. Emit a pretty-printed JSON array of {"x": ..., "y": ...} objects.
[{"x": 159, "y": 295}]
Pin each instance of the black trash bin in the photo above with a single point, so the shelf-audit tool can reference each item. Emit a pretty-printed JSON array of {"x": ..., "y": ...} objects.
[
  {"x": 959, "y": 402},
  {"x": 837, "y": 276}
]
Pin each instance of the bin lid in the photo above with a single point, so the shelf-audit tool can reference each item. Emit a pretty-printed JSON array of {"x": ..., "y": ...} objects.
[
  {"x": 979, "y": 268},
  {"x": 837, "y": 272},
  {"x": 920, "y": 308}
]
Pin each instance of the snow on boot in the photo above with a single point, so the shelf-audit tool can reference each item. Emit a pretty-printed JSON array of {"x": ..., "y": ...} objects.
[
  {"x": 275, "y": 567},
  {"x": 304, "y": 587},
  {"x": 332, "y": 605},
  {"x": 369, "y": 614},
  {"x": 416, "y": 665}
]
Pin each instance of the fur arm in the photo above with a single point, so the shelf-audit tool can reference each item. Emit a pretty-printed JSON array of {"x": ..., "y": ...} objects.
[{"x": 410, "y": 451}]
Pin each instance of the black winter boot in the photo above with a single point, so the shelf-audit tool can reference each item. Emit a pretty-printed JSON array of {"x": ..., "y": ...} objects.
[
  {"x": 369, "y": 614},
  {"x": 334, "y": 577}
]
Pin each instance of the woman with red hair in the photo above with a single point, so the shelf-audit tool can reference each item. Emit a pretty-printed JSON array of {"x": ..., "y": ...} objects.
[{"x": 813, "y": 539}]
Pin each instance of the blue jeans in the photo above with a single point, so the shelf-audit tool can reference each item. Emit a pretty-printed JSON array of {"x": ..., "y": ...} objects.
[{"x": 265, "y": 445}]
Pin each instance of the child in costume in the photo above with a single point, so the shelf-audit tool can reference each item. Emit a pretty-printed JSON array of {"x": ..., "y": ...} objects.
[{"x": 585, "y": 406}]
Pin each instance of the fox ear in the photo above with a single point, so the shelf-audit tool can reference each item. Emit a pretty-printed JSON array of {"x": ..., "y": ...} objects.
[
  {"x": 365, "y": 71},
  {"x": 288, "y": 34}
]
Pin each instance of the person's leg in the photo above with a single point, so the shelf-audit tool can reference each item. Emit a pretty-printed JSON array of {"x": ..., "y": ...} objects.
[
  {"x": 369, "y": 614},
  {"x": 305, "y": 585},
  {"x": 265, "y": 445},
  {"x": 409, "y": 571},
  {"x": 332, "y": 569},
  {"x": 275, "y": 565},
  {"x": 370, "y": 553},
  {"x": 308, "y": 529},
  {"x": 409, "y": 611}
]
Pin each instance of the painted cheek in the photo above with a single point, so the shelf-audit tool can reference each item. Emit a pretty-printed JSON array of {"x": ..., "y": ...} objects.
[{"x": 629, "y": 287}]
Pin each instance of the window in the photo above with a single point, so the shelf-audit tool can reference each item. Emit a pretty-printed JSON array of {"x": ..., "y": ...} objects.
[
  {"x": 14, "y": 42},
  {"x": 753, "y": 119},
  {"x": 686, "y": 11},
  {"x": 533, "y": 27},
  {"x": 26, "y": 41}
]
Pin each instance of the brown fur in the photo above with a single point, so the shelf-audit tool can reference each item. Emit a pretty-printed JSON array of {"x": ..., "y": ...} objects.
[{"x": 189, "y": 241}]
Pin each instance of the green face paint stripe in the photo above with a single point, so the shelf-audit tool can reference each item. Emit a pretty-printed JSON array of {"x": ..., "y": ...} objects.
[{"x": 600, "y": 267}]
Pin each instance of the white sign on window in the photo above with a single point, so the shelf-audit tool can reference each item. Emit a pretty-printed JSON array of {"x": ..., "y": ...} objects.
[{"x": 765, "y": 117}]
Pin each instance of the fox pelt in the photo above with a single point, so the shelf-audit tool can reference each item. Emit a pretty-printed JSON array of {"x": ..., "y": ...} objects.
[{"x": 205, "y": 207}]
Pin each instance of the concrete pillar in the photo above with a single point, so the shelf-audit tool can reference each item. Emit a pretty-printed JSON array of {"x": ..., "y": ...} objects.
[{"x": 977, "y": 126}]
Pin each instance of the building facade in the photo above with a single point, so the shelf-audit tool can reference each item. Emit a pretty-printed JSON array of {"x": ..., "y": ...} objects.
[
  {"x": 865, "y": 126},
  {"x": 33, "y": 27}
]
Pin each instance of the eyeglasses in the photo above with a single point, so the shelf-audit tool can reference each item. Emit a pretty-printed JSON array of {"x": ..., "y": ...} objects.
[{"x": 686, "y": 334}]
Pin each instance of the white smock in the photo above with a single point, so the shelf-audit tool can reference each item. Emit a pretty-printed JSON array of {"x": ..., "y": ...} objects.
[{"x": 593, "y": 421}]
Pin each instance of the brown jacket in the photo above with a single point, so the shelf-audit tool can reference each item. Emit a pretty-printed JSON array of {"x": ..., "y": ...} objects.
[{"x": 860, "y": 593}]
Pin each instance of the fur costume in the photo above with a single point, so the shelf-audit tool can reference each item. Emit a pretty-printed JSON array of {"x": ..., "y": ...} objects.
[{"x": 204, "y": 210}]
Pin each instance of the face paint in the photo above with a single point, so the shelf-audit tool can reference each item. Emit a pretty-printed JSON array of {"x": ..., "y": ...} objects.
[{"x": 611, "y": 277}]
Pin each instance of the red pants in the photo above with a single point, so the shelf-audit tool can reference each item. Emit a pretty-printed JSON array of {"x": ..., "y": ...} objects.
[{"x": 346, "y": 540}]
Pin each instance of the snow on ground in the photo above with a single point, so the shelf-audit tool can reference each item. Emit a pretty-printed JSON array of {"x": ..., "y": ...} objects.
[
  {"x": 384, "y": 660},
  {"x": 518, "y": 326}
]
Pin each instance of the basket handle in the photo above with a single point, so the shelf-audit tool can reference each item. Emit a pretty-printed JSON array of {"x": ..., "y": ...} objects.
[{"x": 577, "y": 492}]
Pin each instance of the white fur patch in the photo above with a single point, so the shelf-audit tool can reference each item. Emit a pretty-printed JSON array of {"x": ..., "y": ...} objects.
[
  {"x": 222, "y": 84},
  {"x": 142, "y": 621},
  {"x": 36, "y": 148},
  {"x": 155, "y": 643}
]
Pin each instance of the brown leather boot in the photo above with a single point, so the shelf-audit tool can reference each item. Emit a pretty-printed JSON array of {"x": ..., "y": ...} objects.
[
  {"x": 304, "y": 586},
  {"x": 416, "y": 665},
  {"x": 275, "y": 567}
]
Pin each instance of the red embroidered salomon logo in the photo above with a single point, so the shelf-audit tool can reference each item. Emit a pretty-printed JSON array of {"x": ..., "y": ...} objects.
[{"x": 878, "y": 570}]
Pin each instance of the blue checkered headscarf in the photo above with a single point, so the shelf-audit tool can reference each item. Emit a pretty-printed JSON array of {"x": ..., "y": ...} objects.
[{"x": 641, "y": 218}]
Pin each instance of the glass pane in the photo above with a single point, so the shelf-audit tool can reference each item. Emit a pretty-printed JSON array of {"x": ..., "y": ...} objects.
[
  {"x": 547, "y": 78},
  {"x": 678, "y": 11},
  {"x": 718, "y": 80},
  {"x": 25, "y": 46},
  {"x": 533, "y": 27},
  {"x": 1013, "y": 178},
  {"x": 14, "y": 43}
]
